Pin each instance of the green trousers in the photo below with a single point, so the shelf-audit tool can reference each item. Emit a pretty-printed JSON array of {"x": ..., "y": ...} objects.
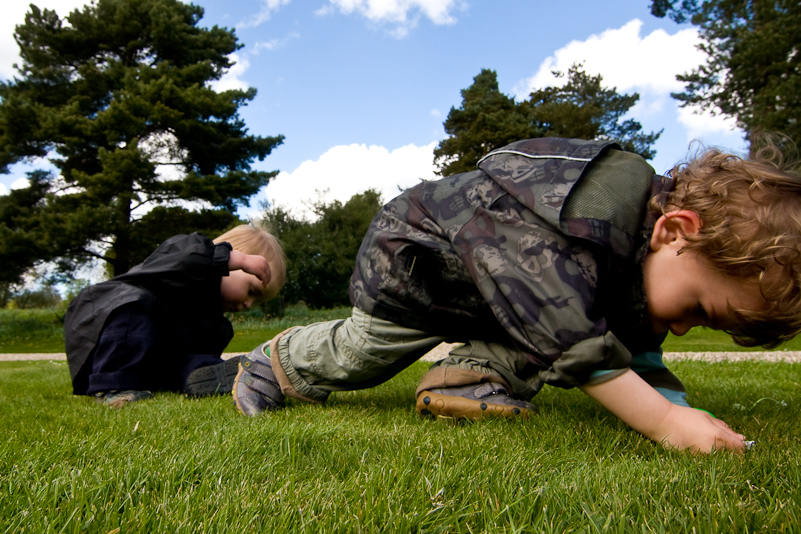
[{"x": 363, "y": 351}]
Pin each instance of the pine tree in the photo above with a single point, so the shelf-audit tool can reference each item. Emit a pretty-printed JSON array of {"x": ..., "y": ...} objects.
[
  {"x": 581, "y": 108},
  {"x": 112, "y": 94},
  {"x": 753, "y": 66}
]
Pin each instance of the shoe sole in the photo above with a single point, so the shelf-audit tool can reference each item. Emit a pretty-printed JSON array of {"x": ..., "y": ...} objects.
[
  {"x": 213, "y": 379},
  {"x": 437, "y": 406},
  {"x": 240, "y": 371}
]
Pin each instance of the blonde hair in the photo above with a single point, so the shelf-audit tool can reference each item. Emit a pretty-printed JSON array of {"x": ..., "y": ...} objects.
[
  {"x": 255, "y": 240},
  {"x": 751, "y": 229}
]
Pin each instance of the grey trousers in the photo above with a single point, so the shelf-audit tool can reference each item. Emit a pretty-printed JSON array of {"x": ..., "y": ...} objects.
[{"x": 364, "y": 351}]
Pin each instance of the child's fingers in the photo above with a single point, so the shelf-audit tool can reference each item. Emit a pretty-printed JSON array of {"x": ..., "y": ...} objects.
[
  {"x": 729, "y": 431},
  {"x": 259, "y": 267},
  {"x": 729, "y": 439}
]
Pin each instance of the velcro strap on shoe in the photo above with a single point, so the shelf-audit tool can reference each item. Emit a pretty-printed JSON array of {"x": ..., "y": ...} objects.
[
  {"x": 262, "y": 370},
  {"x": 489, "y": 388},
  {"x": 266, "y": 388}
]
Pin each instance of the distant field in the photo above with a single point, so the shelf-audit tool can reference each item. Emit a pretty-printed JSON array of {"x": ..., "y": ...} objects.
[{"x": 29, "y": 331}]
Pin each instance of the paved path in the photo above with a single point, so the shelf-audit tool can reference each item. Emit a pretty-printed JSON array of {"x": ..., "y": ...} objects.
[{"x": 442, "y": 350}]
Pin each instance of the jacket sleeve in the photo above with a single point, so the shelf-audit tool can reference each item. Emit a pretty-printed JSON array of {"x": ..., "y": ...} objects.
[{"x": 181, "y": 261}]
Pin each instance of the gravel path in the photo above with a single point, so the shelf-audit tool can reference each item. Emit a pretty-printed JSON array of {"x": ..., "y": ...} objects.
[{"x": 442, "y": 350}]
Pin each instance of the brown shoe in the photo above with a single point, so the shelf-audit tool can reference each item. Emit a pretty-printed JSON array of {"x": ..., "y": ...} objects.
[{"x": 472, "y": 402}]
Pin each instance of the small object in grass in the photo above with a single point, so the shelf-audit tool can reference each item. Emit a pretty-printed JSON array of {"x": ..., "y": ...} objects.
[
  {"x": 710, "y": 413},
  {"x": 749, "y": 445}
]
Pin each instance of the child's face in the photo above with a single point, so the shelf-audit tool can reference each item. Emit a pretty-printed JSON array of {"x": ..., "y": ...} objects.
[
  {"x": 684, "y": 290},
  {"x": 240, "y": 290}
]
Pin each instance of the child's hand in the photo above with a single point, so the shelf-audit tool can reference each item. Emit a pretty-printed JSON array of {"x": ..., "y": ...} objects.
[
  {"x": 688, "y": 428},
  {"x": 256, "y": 265},
  {"x": 641, "y": 407}
]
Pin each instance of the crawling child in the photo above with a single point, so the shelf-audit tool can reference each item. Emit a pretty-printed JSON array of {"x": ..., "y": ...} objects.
[
  {"x": 560, "y": 262},
  {"x": 161, "y": 325}
]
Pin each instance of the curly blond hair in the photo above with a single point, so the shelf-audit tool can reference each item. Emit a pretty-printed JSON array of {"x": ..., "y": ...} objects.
[
  {"x": 751, "y": 229},
  {"x": 255, "y": 239}
]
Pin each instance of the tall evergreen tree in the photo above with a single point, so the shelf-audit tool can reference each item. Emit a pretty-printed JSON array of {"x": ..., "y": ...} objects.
[
  {"x": 486, "y": 120},
  {"x": 753, "y": 66},
  {"x": 581, "y": 108},
  {"x": 22, "y": 240},
  {"x": 584, "y": 109},
  {"x": 123, "y": 87}
]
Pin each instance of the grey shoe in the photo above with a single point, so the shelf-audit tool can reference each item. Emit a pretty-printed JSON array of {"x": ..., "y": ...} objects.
[
  {"x": 472, "y": 402},
  {"x": 212, "y": 379},
  {"x": 118, "y": 398},
  {"x": 255, "y": 388}
]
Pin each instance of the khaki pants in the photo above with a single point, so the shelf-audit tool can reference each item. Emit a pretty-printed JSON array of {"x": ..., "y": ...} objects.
[{"x": 364, "y": 351}]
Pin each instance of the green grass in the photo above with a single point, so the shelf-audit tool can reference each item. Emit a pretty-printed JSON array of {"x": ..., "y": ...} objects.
[
  {"x": 365, "y": 462},
  {"x": 28, "y": 331}
]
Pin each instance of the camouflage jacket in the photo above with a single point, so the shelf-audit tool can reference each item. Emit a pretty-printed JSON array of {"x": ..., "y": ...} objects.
[{"x": 540, "y": 248}]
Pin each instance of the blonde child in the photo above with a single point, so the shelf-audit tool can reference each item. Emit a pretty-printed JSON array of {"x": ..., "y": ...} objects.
[{"x": 161, "y": 326}]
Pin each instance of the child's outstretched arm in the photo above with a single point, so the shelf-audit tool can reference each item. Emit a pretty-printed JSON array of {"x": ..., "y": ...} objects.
[
  {"x": 642, "y": 408},
  {"x": 251, "y": 264}
]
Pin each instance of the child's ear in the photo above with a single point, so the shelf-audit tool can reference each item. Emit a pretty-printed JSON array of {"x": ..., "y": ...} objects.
[{"x": 673, "y": 226}]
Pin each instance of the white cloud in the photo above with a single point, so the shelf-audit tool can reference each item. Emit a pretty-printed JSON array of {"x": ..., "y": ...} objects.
[
  {"x": 699, "y": 125},
  {"x": 401, "y": 15},
  {"x": 20, "y": 183},
  {"x": 274, "y": 44},
  {"x": 634, "y": 63},
  {"x": 12, "y": 14},
  {"x": 625, "y": 59},
  {"x": 346, "y": 170},
  {"x": 233, "y": 78},
  {"x": 267, "y": 9}
]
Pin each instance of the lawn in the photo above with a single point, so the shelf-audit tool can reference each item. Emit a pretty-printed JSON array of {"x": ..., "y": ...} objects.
[{"x": 365, "y": 462}]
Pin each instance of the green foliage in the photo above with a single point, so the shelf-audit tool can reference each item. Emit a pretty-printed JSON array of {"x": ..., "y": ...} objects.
[
  {"x": 581, "y": 108},
  {"x": 115, "y": 90},
  {"x": 680, "y": 12},
  {"x": 365, "y": 462},
  {"x": 321, "y": 253},
  {"x": 752, "y": 67},
  {"x": 46, "y": 296},
  {"x": 23, "y": 236},
  {"x": 486, "y": 120},
  {"x": 31, "y": 331}
]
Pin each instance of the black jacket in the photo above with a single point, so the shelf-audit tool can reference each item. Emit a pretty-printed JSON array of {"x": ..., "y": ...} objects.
[{"x": 178, "y": 285}]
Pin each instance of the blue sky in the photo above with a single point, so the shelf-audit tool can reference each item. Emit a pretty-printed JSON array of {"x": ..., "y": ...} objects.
[{"x": 360, "y": 88}]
